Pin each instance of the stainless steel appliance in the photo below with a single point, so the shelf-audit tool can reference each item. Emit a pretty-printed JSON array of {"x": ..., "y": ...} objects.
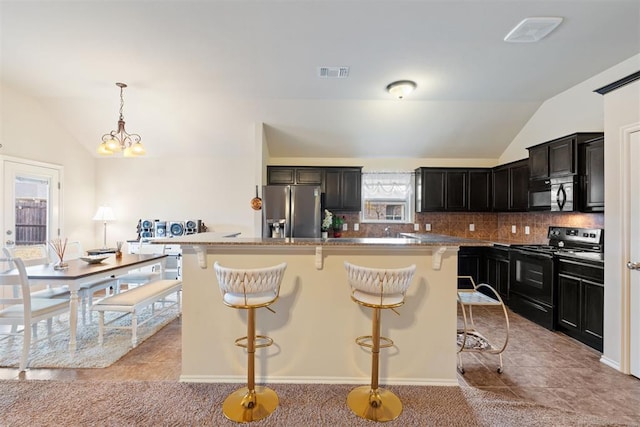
[
  {"x": 562, "y": 194},
  {"x": 532, "y": 270},
  {"x": 291, "y": 211}
]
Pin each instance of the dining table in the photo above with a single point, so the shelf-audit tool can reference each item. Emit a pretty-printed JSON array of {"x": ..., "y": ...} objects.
[{"x": 79, "y": 272}]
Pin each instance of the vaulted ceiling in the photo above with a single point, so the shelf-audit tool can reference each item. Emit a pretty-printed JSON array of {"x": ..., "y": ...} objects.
[{"x": 202, "y": 73}]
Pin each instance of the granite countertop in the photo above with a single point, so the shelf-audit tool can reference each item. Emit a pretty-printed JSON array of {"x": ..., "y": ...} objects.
[{"x": 407, "y": 240}]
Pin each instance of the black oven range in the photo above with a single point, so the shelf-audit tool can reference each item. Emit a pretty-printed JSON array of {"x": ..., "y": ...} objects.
[{"x": 532, "y": 270}]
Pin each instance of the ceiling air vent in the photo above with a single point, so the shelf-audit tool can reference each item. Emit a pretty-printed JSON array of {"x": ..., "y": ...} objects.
[
  {"x": 532, "y": 30},
  {"x": 333, "y": 72}
]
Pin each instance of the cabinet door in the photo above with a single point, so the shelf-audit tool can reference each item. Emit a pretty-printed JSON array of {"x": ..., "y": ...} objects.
[
  {"x": 351, "y": 190},
  {"x": 497, "y": 271},
  {"x": 519, "y": 186},
  {"x": 591, "y": 161},
  {"x": 539, "y": 161},
  {"x": 309, "y": 176},
  {"x": 332, "y": 180},
  {"x": 470, "y": 264},
  {"x": 500, "y": 189},
  {"x": 479, "y": 193},
  {"x": 593, "y": 311},
  {"x": 456, "y": 190},
  {"x": 343, "y": 189},
  {"x": 569, "y": 302},
  {"x": 562, "y": 159},
  {"x": 280, "y": 176},
  {"x": 433, "y": 190}
]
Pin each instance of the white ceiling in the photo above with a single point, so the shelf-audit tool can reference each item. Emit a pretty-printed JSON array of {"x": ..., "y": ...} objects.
[{"x": 202, "y": 73}]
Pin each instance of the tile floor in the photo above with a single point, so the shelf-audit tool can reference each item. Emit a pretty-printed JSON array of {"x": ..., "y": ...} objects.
[{"x": 539, "y": 365}]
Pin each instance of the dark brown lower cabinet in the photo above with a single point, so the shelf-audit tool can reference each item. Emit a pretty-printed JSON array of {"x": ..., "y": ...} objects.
[
  {"x": 580, "y": 288},
  {"x": 497, "y": 270}
]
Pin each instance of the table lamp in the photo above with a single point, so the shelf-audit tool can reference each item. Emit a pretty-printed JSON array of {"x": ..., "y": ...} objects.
[{"x": 104, "y": 214}]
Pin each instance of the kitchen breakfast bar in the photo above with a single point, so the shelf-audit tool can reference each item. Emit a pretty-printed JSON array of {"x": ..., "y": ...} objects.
[{"x": 315, "y": 321}]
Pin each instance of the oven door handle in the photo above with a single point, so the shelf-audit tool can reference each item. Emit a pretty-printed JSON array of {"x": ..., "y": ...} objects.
[{"x": 561, "y": 196}]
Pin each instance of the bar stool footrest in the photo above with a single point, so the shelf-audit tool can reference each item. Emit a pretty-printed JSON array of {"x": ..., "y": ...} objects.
[
  {"x": 367, "y": 341},
  {"x": 260, "y": 342}
]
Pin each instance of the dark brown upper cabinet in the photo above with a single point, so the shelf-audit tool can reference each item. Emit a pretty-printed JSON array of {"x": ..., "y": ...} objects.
[
  {"x": 557, "y": 158},
  {"x": 293, "y": 175},
  {"x": 511, "y": 187},
  {"x": 591, "y": 175},
  {"x": 343, "y": 188},
  {"x": 453, "y": 189}
]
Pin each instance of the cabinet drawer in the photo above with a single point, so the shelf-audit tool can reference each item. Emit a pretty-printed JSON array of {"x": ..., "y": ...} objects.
[{"x": 582, "y": 270}]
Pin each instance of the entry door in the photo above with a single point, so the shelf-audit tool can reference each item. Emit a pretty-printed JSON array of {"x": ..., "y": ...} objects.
[
  {"x": 634, "y": 253},
  {"x": 31, "y": 202}
]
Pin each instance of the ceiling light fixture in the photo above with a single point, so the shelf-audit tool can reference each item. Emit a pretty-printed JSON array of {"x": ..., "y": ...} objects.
[
  {"x": 120, "y": 140},
  {"x": 401, "y": 88},
  {"x": 531, "y": 30}
]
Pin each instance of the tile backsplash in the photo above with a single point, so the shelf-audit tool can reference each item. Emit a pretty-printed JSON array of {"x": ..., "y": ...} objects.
[{"x": 487, "y": 226}]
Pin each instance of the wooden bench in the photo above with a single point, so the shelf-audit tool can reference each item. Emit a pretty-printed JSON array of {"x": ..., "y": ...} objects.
[{"x": 131, "y": 301}]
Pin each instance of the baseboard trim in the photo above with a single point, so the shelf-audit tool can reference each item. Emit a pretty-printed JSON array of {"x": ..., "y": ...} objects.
[
  {"x": 611, "y": 363},
  {"x": 316, "y": 380}
]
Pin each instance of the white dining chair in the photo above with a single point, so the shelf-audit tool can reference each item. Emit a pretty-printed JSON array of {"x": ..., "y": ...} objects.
[
  {"x": 21, "y": 309},
  {"x": 148, "y": 274}
]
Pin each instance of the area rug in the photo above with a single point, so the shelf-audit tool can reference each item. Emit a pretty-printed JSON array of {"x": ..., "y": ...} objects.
[
  {"x": 163, "y": 403},
  {"x": 54, "y": 352}
]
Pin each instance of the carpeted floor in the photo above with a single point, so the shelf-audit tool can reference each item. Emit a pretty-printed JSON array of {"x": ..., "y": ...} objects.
[
  {"x": 54, "y": 352},
  {"x": 77, "y": 403}
]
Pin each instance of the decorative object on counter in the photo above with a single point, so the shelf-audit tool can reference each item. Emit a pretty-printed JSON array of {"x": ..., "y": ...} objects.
[
  {"x": 119, "y": 250},
  {"x": 59, "y": 247},
  {"x": 104, "y": 214},
  {"x": 377, "y": 289},
  {"x": 119, "y": 140},
  {"x": 337, "y": 226},
  {"x": 256, "y": 202},
  {"x": 327, "y": 223}
]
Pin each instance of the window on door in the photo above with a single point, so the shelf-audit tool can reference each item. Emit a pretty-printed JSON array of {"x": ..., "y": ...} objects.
[
  {"x": 31, "y": 202},
  {"x": 387, "y": 197}
]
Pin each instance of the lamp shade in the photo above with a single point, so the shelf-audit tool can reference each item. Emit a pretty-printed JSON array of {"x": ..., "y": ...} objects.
[{"x": 104, "y": 213}]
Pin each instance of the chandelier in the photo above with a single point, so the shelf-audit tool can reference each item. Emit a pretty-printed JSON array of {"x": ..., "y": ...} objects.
[{"x": 121, "y": 141}]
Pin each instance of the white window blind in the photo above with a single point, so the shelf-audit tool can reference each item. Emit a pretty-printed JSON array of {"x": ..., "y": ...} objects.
[{"x": 387, "y": 197}]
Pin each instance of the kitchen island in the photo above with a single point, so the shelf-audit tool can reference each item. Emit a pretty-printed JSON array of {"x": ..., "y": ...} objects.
[{"x": 316, "y": 322}]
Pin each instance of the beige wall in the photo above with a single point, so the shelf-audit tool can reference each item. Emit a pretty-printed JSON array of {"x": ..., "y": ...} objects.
[
  {"x": 621, "y": 108},
  {"x": 28, "y": 131},
  {"x": 578, "y": 109}
]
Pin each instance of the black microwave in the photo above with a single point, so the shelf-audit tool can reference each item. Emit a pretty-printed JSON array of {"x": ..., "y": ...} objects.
[{"x": 540, "y": 195}]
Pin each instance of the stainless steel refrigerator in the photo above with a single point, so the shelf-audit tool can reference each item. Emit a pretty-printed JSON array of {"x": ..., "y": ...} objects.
[{"x": 291, "y": 211}]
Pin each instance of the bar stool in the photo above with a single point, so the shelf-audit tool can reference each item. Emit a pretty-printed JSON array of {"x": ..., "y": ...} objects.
[
  {"x": 249, "y": 289},
  {"x": 377, "y": 289}
]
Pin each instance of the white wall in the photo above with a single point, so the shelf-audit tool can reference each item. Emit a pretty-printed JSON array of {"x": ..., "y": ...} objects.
[
  {"x": 578, "y": 109},
  {"x": 28, "y": 131},
  {"x": 216, "y": 190},
  {"x": 621, "y": 108}
]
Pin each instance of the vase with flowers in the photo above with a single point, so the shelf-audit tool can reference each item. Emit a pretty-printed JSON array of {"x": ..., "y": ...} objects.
[{"x": 327, "y": 223}]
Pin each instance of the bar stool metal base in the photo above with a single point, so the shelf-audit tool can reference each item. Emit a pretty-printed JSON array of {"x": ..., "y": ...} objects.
[
  {"x": 243, "y": 407},
  {"x": 375, "y": 405}
]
